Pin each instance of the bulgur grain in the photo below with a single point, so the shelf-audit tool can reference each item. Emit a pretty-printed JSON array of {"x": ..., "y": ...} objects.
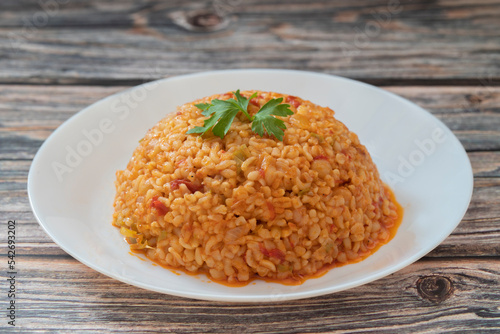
[{"x": 284, "y": 211}]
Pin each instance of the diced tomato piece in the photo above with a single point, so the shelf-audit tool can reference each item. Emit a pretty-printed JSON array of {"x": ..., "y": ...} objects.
[
  {"x": 262, "y": 173},
  {"x": 227, "y": 96},
  {"x": 275, "y": 252},
  {"x": 254, "y": 102},
  {"x": 263, "y": 250},
  {"x": 175, "y": 184},
  {"x": 159, "y": 206},
  {"x": 340, "y": 182},
  {"x": 333, "y": 228},
  {"x": 272, "y": 213},
  {"x": 293, "y": 100},
  {"x": 320, "y": 157}
]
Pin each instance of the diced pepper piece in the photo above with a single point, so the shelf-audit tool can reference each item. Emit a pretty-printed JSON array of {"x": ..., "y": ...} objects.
[
  {"x": 304, "y": 191},
  {"x": 320, "y": 138},
  {"x": 240, "y": 155},
  {"x": 162, "y": 236}
]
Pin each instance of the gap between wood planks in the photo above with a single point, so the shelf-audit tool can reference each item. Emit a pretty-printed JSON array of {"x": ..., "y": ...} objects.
[{"x": 382, "y": 82}]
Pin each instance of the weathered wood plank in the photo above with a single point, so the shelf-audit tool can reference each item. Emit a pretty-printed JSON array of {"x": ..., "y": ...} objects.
[
  {"x": 485, "y": 202},
  {"x": 29, "y": 114},
  {"x": 428, "y": 296},
  {"x": 93, "y": 13},
  {"x": 485, "y": 164},
  {"x": 453, "y": 100},
  {"x": 63, "y": 13},
  {"x": 445, "y": 41},
  {"x": 26, "y": 106},
  {"x": 14, "y": 170},
  {"x": 22, "y": 144},
  {"x": 125, "y": 13}
]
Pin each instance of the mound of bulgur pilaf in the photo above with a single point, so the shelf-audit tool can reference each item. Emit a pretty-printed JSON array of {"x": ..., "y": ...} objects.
[{"x": 244, "y": 206}]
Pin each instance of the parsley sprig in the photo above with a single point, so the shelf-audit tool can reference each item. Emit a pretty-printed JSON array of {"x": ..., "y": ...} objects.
[{"x": 221, "y": 114}]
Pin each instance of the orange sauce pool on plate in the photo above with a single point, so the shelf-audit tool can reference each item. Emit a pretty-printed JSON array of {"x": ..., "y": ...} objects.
[{"x": 295, "y": 280}]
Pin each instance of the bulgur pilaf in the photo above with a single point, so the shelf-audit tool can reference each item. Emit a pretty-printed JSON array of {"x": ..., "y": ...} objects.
[{"x": 245, "y": 206}]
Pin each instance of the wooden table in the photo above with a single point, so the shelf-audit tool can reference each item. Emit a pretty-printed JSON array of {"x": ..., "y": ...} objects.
[{"x": 58, "y": 56}]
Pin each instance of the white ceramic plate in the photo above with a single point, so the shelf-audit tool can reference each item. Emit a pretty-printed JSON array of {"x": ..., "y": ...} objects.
[{"x": 71, "y": 180}]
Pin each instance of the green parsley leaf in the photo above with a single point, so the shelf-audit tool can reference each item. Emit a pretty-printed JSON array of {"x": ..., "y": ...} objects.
[
  {"x": 197, "y": 129},
  {"x": 264, "y": 119},
  {"x": 204, "y": 107},
  {"x": 221, "y": 115}
]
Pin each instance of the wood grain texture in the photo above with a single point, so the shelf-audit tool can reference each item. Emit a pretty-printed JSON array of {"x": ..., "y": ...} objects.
[
  {"x": 66, "y": 294},
  {"x": 59, "y": 56},
  {"x": 431, "y": 42}
]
